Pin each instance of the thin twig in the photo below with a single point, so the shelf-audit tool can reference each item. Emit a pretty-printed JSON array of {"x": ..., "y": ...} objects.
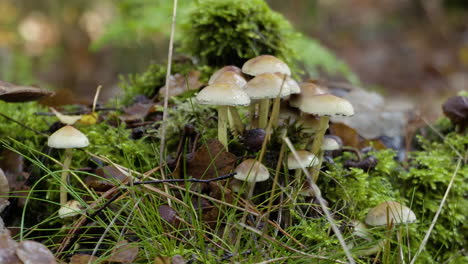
[
  {"x": 166, "y": 97},
  {"x": 436, "y": 216},
  {"x": 223, "y": 177},
  {"x": 23, "y": 125}
]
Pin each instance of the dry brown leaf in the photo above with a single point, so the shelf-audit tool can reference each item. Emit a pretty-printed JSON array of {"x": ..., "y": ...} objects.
[
  {"x": 31, "y": 252},
  {"x": 107, "y": 172},
  {"x": 352, "y": 139},
  {"x": 124, "y": 252},
  {"x": 180, "y": 84},
  {"x": 136, "y": 112},
  {"x": 162, "y": 260},
  {"x": 16, "y": 93},
  {"x": 8, "y": 249},
  {"x": 82, "y": 259},
  {"x": 210, "y": 161}
]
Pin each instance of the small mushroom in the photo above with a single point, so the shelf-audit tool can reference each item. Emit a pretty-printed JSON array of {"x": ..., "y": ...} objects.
[
  {"x": 306, "y": 160},
  {"x": 67, "y": 138},
  {"x": 251, "y": 171},
  {"x": 265, "y": 64}
]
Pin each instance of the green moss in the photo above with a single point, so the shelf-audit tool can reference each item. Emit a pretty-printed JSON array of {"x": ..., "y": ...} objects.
[
  {"x": 355, "y": 190},
  {"x": 425, "y": 184},
  {"x": 149, "y": 82},
  {"x": 25, "y": 113},
  {"x": 226, "y": 32}
]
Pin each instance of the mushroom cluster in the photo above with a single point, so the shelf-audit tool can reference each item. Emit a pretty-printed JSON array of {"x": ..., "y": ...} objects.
[{"x": 264, "y": 84}]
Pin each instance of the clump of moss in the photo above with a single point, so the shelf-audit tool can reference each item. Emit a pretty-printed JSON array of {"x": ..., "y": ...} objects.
[
  {"x": 230, "y": 32},
  {"x": 425, "y": 184},
  {"x": 226, "y": 32},
  {"x": 355, "y": 191}
]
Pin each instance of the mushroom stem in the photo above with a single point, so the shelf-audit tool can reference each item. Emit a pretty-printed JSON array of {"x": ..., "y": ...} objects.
[
  {"x": 66, "y": 166},
  {"x": 222, "y": 125},
  {"x": 252, "y": 113},
  {"x": 316, "y": 145},
  {"x": 238, "y": 125},
  {"x": 263, "y": 113},
  {"x": 275, "y": 111}
]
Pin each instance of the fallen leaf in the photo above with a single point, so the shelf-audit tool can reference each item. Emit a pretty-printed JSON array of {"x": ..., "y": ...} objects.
[
  {"x": 351, "y": 138},
  {"x": 180, "y": 83},
  {"x": 82, "y": 259},
  {"x": 4, "y": 190},
  {"x": 16, "y": 93},
  {"x": 8, "y": 249},
  {"x": 178, "y": 259},
  {"x": 31, "y": 252},
  {"x": 124, "y": 252},
  {"x": 169, "y": 215},
  {"x": 211, "y": 160},
  {"x": 110, "y": 175},
  {"x": 162, "y": 260},
  {"x": 136, "y": 112}
]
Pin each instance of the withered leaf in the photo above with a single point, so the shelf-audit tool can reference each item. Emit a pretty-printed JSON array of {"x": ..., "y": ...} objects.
[
  {"x": 124, "y": 252},
  {"x": 162, "y": 260},
  {"x": 8, "y": 249},
  {"x": 16, "y": 93},
  {"x": 210, "y": 161},
  {"x": 82, "y": 259},
  {"x": 31, "y": 252},
  {"x": 4, "y": 190},
  {"x": 107, "y": 172},
  {"x": 136, "y": 112},
  {"x": 351, "y": 137},
  {"x": 180, "y": 84},
  {"x": 169, "y": 215}
]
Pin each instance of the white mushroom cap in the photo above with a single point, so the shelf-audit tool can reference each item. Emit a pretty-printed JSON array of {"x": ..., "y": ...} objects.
[
  {"x": 71, "y": 208},
  {"x": 326, "y": 105},
  {"x": 265, "y": 64},
  {"x": 251, "y": 170},
  {"x": 223, "y": 94},
  {"x": 331, "y": 143},
  {"x": 397, "y": 214},
  {"x": 266, "y": 86},
  {"x": 307, "y": 159},
  {"x": 67, "y": 137},
  {"x": 229, "y": 77},
  {"x": 230, "y": 68}
]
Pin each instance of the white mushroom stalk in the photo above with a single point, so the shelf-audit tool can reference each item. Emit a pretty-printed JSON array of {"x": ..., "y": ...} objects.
[
  {"x": 264, "y": 87},
  {"x": 324, "y": 106},
  {"x": 67, "y": 138},
  {"x": 223, "y": 95}
]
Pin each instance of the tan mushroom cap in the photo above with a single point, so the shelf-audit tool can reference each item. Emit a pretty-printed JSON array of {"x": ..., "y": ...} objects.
[
  {"x": 266, "y": 86},
  {"x": 251, "y": 170},
  {"x": 229, "y": 77},
  {"x": 229, "y": 68},
  {"x": 265, "y": 64},
  {"x": 397, "y": 214},
  {"x": 223, "y": 94},
  {"x": 307, "y": 89},
  {"x": 306, "y": 160},
  {"x": 326, "y": 105},
  {"x": 67, "y": 137}
]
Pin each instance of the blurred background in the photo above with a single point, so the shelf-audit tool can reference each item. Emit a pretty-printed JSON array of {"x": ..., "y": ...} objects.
[{"x": 412, "y": 51}]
